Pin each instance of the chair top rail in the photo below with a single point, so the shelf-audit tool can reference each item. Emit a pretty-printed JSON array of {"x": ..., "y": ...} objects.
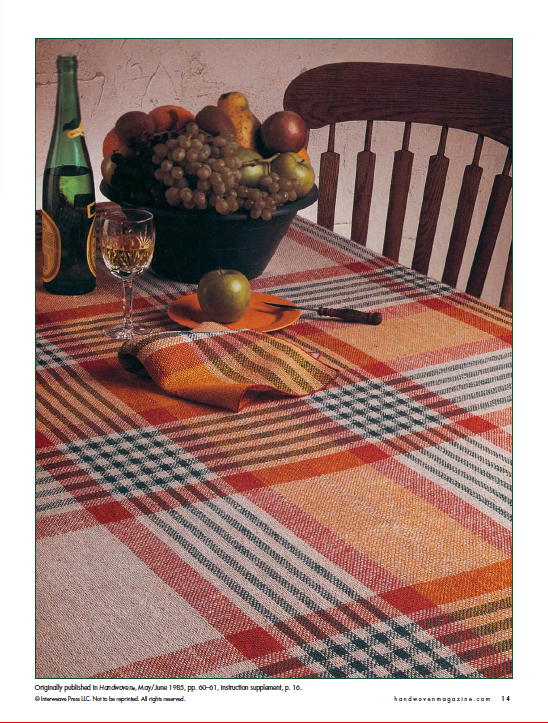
[{"x": 468, "y": 100}]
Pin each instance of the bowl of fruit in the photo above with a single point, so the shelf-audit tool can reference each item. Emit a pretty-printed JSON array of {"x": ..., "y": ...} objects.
[{"x": 223, "y": 188}]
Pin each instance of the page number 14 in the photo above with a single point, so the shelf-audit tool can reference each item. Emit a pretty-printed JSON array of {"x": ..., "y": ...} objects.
[{"x": 505, "y": 697}]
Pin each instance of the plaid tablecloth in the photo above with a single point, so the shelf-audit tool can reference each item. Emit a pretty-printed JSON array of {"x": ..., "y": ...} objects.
[{"x": 362, "y": 531}]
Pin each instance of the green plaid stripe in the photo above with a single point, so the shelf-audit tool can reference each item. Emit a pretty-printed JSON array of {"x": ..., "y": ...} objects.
[
  {"x": 136, "y": 462},
  {"x": 48, "y": 354},
  {"x": 374, "y": 410},
  {"x": 385, "y": 650},
  {"x": 478, "y": 384},
  {"x": 465, "y": 468}
]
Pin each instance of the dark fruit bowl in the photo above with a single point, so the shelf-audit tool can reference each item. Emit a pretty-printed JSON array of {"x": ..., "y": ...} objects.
[{"x": 189, "y": 243}]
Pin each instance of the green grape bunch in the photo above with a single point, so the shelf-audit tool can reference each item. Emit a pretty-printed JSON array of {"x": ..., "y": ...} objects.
[{"x": 192, "y": 169}]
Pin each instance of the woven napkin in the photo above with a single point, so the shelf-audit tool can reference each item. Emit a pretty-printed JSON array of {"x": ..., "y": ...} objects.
[{"x": 224, "y": 367}]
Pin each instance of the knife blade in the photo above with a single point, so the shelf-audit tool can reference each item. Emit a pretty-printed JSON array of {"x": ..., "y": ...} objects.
[{"x": 363, "y": 317}]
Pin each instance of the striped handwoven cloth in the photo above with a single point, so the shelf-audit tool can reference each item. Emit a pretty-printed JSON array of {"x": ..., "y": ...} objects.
[{"x": 222, "y": 367}]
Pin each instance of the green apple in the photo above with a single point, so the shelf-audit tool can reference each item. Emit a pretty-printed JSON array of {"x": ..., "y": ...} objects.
[
  {"x": 224, "y": 295},
  {"x": 254, "y": 166},
  {"x": 296, "y": 168}
]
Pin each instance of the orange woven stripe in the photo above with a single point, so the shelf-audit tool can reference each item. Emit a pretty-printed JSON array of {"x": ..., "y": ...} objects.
[
  {"x": 308, "y": 468},
  {"x": 468, "y": 317},
  {"x": 468, "y": 584}
]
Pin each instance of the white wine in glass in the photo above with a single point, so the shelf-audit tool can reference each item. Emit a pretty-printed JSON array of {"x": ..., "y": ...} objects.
[{"x": 127, "y": 244}]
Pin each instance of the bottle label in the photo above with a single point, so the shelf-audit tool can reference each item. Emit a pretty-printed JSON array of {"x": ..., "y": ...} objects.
[
  {"x": 91, "y": 247},
  {"x": 75, "y": 132},
  {"x": 51, "y": 248}
]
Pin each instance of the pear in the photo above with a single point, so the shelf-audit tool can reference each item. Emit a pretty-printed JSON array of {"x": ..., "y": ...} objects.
[{"x": 248, "y": 126}]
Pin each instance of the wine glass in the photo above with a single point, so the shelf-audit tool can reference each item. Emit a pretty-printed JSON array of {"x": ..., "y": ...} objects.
[{"x": 127, "y": 242}]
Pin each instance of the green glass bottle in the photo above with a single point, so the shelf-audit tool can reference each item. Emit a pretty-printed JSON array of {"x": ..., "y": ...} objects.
[{"x": 68, "y": 199}]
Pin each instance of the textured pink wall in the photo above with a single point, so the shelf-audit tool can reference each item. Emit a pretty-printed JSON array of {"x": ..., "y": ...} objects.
[{"x": 120, "y": 75}]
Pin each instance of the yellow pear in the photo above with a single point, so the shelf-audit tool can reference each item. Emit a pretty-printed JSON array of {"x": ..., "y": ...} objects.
[{"x": 236, "y": 106}]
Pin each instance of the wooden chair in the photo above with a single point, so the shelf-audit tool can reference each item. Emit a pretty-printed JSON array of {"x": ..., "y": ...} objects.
[{"x": 480, "y": 103}]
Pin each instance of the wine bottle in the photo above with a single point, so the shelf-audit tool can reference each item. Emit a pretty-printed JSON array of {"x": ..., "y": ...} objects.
[{"x": 68, "y": 198}]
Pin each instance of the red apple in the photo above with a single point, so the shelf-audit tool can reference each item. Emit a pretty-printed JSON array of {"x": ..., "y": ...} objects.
[
  {"x": 294, "y": 167},
  {"x": 107, "y": 169},
  {"x": 132, "y": 126},
  {"x": 284, "y": 131},
  {"x": 111, "y": 143}
]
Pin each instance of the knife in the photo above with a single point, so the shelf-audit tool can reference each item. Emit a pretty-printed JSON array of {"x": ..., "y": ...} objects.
[{"x": 363, "y": 317}]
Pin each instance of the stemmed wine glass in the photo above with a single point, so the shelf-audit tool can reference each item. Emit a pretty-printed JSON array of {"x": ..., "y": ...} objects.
[{"x": 127, "y": 243}]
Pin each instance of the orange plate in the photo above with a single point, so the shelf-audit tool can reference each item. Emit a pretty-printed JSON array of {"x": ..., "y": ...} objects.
[{"x": 186, "y": 311}]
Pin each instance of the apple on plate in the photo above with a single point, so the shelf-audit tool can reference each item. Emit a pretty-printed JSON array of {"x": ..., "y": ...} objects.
[
  {"x": 296, "y": 168},
  {"x": 224, "y": 295}
]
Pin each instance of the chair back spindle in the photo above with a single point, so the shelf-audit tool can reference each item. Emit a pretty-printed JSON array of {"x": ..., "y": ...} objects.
[
  {"x": 463, "y": 217},
  {"x": 329, "y": 178},
  {"x": 431, "y": 204},
  {"x": 397, "y": 201},
  {"x": 471, "y": 101},
  {"x": 502, "y": 185},
  {"x": 363, "y": 189},
  {"x": 506, "y": 296}
]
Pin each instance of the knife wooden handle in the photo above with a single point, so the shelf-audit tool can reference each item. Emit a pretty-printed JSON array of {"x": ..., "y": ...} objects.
[{"x": 363, "y": 317}]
